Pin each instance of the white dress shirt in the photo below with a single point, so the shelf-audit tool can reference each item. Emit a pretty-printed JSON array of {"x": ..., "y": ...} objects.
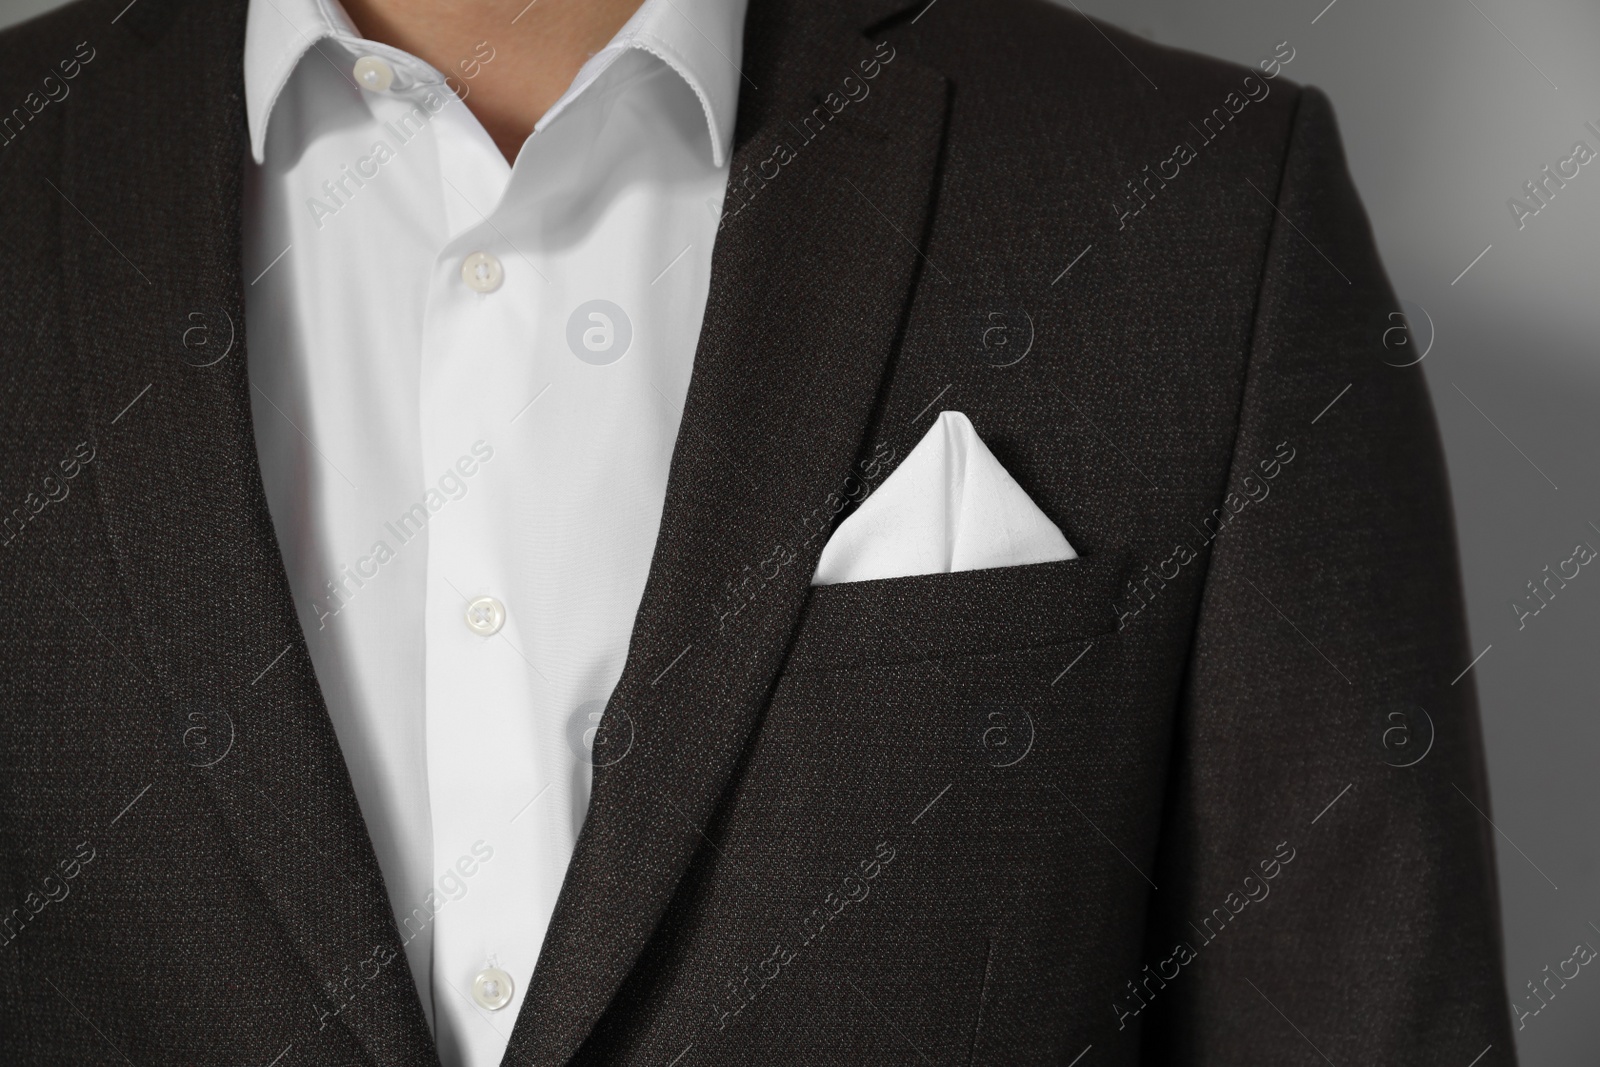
[{"x": 467, "y": 379}]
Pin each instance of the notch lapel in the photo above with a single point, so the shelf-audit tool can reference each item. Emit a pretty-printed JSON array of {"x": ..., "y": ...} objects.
[
  {"x": 810, "y": 281},
  {"x": 151, "y": 174}
]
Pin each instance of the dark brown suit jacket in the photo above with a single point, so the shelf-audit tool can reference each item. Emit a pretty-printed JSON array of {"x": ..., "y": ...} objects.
[{"x": 1210, "y": 794}]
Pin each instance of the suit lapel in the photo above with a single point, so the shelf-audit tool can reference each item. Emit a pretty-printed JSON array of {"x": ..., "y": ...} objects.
[
  {"x": 151, "y": 179},
  {"x": 809, "y": 285}
]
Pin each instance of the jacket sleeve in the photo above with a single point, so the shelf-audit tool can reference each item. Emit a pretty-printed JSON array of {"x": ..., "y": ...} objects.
[{"x": 1326, "y": 872}]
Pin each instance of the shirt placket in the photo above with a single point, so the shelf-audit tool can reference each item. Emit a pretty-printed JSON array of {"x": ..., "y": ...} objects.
[{"x": 482, "y": 687}]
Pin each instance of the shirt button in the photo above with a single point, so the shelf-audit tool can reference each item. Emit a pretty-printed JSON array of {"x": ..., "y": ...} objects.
[
  {"x": 482, "y": 272},
  {"x": 373, "y": 73},
  {"x": 485, "y": 616},
  {"x": 492, "y": 988}
]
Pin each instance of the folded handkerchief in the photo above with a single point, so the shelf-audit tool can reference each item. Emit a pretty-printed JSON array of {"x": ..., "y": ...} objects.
[{"x": 949, "y": 506}]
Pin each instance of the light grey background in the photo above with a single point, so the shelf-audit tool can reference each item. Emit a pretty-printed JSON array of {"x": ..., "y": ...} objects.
[
  {"x": 1447, "y": 108},
  {"x": 17, "y": 10}
]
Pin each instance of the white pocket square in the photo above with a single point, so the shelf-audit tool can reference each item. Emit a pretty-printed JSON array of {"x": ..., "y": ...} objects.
[{"x": 949, "y": 506}]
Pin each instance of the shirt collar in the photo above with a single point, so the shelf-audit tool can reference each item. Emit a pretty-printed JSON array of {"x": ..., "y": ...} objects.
[{"x": 699, "y": 39}]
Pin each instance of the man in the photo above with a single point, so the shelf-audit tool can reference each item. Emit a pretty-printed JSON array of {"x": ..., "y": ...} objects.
[{"x": 662, "y": 533}]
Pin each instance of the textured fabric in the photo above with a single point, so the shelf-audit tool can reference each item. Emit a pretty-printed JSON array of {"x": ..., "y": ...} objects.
[
  {"x": 949, "y": 506},
  {"x": 423, "y": 444},
  {"x": 943, "y": 818}
]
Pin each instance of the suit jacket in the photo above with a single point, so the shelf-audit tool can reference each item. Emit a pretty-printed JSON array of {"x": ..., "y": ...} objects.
[{"x": 1210, "y": 794}]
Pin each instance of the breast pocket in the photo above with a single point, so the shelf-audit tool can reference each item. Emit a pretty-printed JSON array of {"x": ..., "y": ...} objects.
[{"x": 934, "y": 616}]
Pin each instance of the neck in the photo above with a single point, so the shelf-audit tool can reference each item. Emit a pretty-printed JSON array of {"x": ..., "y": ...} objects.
[{"x": 509, "y": 60}]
